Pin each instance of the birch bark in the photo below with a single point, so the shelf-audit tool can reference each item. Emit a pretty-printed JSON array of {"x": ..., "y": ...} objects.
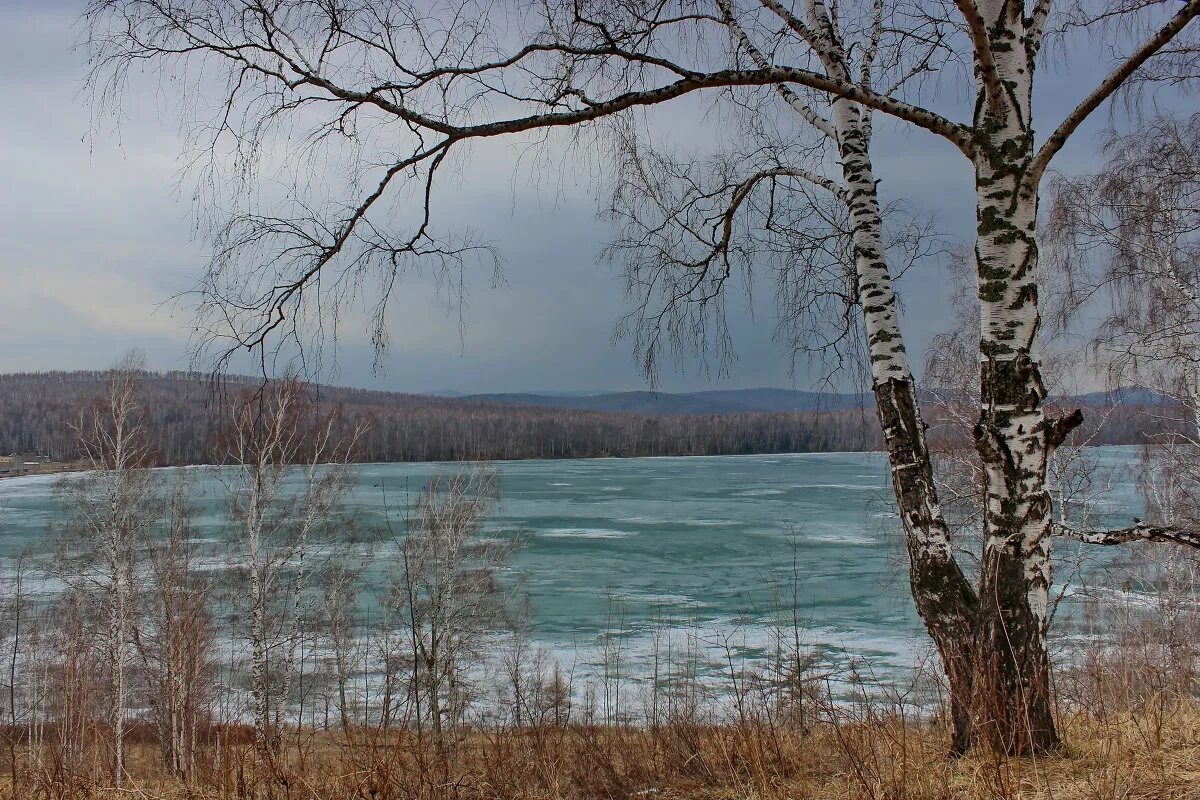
[
  {"x": 1012, "y": 436},
  {"x": 944, "y": 597}
]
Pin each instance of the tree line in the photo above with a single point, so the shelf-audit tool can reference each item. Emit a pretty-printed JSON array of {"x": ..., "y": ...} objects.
[
  {"x": 37, "y": 411},
  {"x": 182, "y": 412}
]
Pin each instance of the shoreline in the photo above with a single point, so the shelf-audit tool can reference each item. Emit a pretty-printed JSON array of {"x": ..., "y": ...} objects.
[
  {"x": 546, "y": 460},
  {"x": 203, "y": 465}
]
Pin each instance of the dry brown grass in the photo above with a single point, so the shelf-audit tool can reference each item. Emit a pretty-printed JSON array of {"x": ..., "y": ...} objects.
[{"x": 1153, "y": 752}]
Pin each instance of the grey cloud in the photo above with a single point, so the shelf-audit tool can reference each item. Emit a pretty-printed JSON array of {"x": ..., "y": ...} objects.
[{"x": 95, "y": 235}]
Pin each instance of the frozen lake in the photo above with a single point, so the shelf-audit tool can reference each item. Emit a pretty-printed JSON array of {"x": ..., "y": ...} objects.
[{"x": 701, "y": 541}]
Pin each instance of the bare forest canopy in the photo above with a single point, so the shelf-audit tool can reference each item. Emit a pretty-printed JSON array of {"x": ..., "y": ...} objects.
[{"x": 184, "y": 414}]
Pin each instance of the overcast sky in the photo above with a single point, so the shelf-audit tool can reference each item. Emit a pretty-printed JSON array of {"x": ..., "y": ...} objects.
[{"x": 96, "y": 237}]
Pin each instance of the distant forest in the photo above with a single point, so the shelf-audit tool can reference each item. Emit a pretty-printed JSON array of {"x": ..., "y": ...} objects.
[{"x": 184, "y": 415}]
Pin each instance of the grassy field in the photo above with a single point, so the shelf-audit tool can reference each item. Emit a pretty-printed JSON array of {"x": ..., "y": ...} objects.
[{"x": 1149, "y": 751}]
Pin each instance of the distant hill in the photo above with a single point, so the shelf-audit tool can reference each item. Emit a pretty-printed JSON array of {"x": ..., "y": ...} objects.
[
  {"x": 1125, "y": 396},
  {"x": 36, "y": 410},
  {"x": 717, "y": 401}
]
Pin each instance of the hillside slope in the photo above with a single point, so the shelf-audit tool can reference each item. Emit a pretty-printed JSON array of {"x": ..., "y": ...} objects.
[
  {"x": 185, "y": 415},
  {"x": 717, "y": 401}
]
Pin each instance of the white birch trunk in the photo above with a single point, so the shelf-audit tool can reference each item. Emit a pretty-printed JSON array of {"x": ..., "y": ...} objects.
[
  {"x": 124, "y": 497},
  {"x": 259, "y": 670},
  {"x": 1013, "y": 438},
  {"x": 118, "y": 658},
  {"x": 944, "y": 598}
]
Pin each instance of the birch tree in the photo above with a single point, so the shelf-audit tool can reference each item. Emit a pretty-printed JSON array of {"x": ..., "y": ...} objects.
[
  {"x": 112, "y": 508},
  {"x": 448, "y": 595},
  {"x": 340, "y": 587},
  {"x": 17, "y": 618},
  {"x": 1128, "y": 236},
  {"x": 402, "y": 89},
  {"x": 287, "y": 476},
  {"x": 174, "y": 636}
]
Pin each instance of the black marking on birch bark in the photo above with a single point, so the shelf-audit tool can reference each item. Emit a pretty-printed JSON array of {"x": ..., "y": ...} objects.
[
  {"x": 1011, "y": 437},
  {"x": 1014, "y": 677}
]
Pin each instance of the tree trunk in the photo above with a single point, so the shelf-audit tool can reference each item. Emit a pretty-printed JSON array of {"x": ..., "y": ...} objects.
[
  {"x": 944, "y": 598},
  {"x": 118, "y": 634},
  {"x": 343, "y": 678},
  {"x": 264, "y": 738},
  {"x": 1014, "y": 710}
]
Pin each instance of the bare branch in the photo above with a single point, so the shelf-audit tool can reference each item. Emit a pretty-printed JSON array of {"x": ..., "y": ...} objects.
[
  {"x": 1109, "y": 86},
  {"x": 1058, "y": 430},
  {"x": 981, "y": 44},
  {"x": 759, "y": 58},
  {"x": 1138, "y": 532}
]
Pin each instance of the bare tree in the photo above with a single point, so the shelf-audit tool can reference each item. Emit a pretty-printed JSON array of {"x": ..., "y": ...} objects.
[
  {"x": 17, "y": 621},
  {"x": 112, "y": 509},
  {"x": 287, "y": 476},
  {"x": 1129, "y": 236},
  {"x": 175, "y": 636},
  {"x": 449, "y": 594},
  {"x": 75, "y": 701},
  {"x": 686, "y": 228},
  {"x": 340, "y": 587},
  {"x": 399, "y": 88}
]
